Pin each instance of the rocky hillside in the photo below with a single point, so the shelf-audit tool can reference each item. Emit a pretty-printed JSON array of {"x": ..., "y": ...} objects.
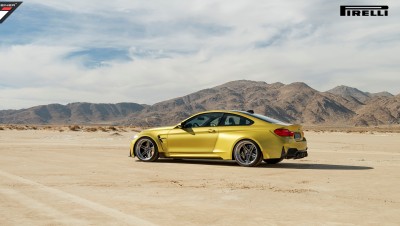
[
  {"x": 75, "y": 113},
  {"x": 296, "y": 102}
]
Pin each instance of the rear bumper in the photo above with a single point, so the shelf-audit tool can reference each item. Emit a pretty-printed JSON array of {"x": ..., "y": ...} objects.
[{"x": 293, "y": 153}]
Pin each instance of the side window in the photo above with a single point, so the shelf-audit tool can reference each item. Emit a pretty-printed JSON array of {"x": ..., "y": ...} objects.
[
  {"x": 203, "y": 120},
  {"x": 215, "y": 122},
  {"x": 235, "y": 120}
]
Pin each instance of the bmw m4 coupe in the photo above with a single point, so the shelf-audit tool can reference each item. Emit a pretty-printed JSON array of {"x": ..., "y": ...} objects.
[{"x": 243, "y": 136}]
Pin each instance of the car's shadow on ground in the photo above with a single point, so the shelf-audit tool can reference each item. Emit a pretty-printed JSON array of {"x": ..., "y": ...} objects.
[
  {"x": 282, "y": 165},
  {"x": 317, "y": 166}
]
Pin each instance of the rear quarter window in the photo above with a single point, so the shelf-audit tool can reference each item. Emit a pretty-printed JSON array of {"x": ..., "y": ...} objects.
[{"x": 235, "y": 120}]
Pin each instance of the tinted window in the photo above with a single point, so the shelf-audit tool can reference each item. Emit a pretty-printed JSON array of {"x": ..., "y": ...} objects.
[
  {"x": 265, "y": 118},
  {"x": 203, "y": 120},
  {"x": 235, "y": 120}
]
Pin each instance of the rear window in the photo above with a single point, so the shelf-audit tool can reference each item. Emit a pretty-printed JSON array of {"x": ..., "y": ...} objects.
[{"x": 265, "y": 118}]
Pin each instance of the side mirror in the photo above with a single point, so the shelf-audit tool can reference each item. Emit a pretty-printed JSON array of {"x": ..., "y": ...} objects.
[{"x": 179, "y": 126}]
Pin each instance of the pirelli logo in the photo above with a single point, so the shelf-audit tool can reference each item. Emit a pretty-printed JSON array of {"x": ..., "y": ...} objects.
[{"x": 364, "y": 10}]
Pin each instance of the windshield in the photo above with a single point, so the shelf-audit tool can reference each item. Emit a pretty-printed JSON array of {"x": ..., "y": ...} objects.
[{"x": 265, "y": 118}]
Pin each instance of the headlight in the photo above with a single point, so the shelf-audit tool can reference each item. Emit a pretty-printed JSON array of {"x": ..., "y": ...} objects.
[{"x": 134, "y": 137}]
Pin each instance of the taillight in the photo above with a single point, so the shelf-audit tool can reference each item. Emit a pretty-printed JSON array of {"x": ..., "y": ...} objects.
[{"x": 283, "y": 132}]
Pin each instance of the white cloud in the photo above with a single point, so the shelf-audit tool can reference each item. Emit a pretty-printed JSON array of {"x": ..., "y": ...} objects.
[{"x": 178, "y": 47}]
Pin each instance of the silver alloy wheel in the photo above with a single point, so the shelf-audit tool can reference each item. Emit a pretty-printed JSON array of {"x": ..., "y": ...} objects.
[
  {"x": 246, "y": 153},
  {"x": 145, "y": 149}
]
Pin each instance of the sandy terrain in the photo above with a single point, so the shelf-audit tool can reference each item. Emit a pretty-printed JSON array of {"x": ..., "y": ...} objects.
[{"x": 86, "y": 178}]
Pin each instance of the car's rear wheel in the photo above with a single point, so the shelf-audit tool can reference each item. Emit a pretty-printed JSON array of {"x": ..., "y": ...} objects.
[
  {"x": 146, "y": 150},
  {"x": 247, "y": 153}
]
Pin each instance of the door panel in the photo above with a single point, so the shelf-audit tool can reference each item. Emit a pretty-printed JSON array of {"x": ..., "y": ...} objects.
[{"x": 197, "y": 140}]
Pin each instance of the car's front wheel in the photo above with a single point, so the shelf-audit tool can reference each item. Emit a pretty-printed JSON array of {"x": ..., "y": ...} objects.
[
  {"x": 146, "y": 150},
  {"x": 247, "y": 153}
]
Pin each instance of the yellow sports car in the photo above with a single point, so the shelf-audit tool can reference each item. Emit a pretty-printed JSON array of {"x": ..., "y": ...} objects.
[{"x": 243, "y": 136}]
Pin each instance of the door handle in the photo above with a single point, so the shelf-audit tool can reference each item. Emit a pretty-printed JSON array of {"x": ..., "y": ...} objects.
[{"x": 211, "y": 130}]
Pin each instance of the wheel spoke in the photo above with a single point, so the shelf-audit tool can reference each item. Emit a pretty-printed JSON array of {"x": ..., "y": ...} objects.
[
  {"x": 252, "y": 148},
  {"x": 248, "y": 154},
  {"x": 243, "y": 155},
  {"x": 142, "y": 150},
  {"x": 144, "y": 153},
  {"x": 149, "y": 152},
  {"x": 254, "y": 155}
]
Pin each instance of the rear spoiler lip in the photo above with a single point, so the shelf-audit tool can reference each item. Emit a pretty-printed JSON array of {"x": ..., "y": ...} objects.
[{"x": 300, "y": 127}]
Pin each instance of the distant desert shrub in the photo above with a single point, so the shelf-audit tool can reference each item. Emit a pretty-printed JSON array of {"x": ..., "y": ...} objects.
[
  {"x": 91, "y": 129},
  {"x": 20, "y": 127},
  {"x": 136, "y": 130},
  {"x": 60, "y": 130},
  {"x": 120, "y": 128},
  {"x": 27, "y": 127},
  {"x": 1, "y": 128},
  {"x": 112, "y": 128},
  {"x": 74, "y": 128},
  {"x": 102, "y": 129}
]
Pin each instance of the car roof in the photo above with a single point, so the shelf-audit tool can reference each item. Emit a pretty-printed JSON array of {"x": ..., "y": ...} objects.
[
  {"x": 243, "y": 113},
  {"x": 223, "y": 111},
  {"x": 248, "y": 114}
]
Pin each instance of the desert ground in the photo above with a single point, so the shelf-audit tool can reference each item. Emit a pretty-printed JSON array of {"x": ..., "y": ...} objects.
[{"x": 48, "y": 177}]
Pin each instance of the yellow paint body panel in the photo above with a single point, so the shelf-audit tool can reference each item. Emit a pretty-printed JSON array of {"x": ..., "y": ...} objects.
[{"x": 219, "y": 141}]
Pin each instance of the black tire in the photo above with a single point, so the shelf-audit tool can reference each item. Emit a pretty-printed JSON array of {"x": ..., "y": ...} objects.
[
  {"x": 273, "y": 161},
  {"x": 146, "y": 150},
  {"x": 247, "y": 153}
]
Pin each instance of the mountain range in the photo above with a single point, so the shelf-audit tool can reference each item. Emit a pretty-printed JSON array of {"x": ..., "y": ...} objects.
[{"x": 296, "y": 103}]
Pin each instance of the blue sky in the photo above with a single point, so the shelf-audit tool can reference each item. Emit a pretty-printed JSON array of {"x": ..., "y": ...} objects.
[{"x": 148, "y": 51}]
